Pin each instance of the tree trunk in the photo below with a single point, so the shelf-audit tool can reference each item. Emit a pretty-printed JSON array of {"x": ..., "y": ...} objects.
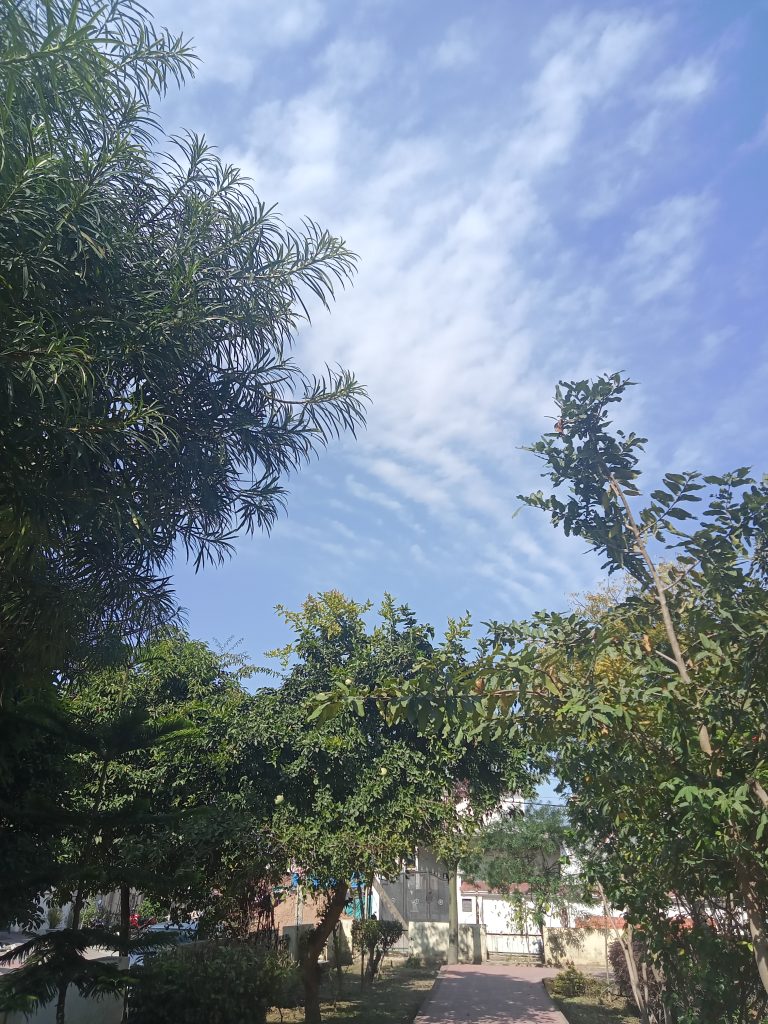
[
  {"x": 124, "y": 938},
  {"x": 627, "y": 946},
  {"x": 311, "y": 981},
  {"x": 361, "y": 899},
  {"x": 310, "y": 973},
  {"x": 754, "y": 909},
  {"x": 77, "y": 907},
  {"x": 61, "y": 1003},
  {"x": 453, "y": 915}
]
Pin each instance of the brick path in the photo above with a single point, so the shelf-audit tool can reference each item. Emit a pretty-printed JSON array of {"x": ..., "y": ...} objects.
[{"x": 490, "y": 994}]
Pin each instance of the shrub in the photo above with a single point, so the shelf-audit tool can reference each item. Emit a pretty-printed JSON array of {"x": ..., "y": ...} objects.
[
  {"x": 54, "y": 916},
  {"x": 232, "y": 983},
  {"x": 571, "y": 982},
  {"x": 152, "y": 908},
  {"x": 413, "y": 961},
  {"x": 375, "y": 938},
  {"x": 621, "y": 971}
]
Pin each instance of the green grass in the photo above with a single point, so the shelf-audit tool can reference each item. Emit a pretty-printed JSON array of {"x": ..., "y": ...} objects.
[
  {"x": 394, "y": 999},
  {"x": 601, "y": 1008}
]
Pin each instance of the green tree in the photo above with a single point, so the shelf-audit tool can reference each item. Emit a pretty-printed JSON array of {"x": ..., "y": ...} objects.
[
  {"x": 148, "y": 305},
  {"x": 165, "y": 791},
  {"x": 651, "y": 700},
  {"x": 360, "y": 789},
  {"x": 375, "y": 938},
  {"x": 208, "y": 795},
  {"x": 525, "y": 856},
  {"x": 696, "y": 693}
]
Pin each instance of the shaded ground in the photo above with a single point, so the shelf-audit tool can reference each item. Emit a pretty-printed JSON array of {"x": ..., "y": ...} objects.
[
  {"x": 394, "y": 999},
  {"x": 491, "y": 994}
]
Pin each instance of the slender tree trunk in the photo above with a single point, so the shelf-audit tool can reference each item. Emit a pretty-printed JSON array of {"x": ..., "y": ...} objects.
[
  {"x": 61, "y": 1004},
  {"x": 755, "y": 910},
  {"x": 317, "y": 939},
  {"x": 77, "y": 909},
  {"x": 124, "y": 940},
  {"x": 628, "y": 948},
  {"x": 453, "y": 915},
  {"x": 361, "y": 899}
]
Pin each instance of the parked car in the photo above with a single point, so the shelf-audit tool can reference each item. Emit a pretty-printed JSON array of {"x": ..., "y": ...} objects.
[{"x": 177, "y": 934}]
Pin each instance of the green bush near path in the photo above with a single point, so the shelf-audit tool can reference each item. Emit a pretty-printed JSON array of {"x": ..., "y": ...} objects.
[
  {"x": 395, "y": 998},
  {"x": 228, "y": 983},
  {"x": 587, "y": 1000}
]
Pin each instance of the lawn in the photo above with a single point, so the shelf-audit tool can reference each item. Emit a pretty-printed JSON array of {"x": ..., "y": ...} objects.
[
  {"x": 394, "y": 999},
  {"x": 602, "y": 1008}
]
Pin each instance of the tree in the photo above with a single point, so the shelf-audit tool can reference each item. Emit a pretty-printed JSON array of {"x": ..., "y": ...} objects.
[
  {"x": 165, "y": 793},
  {"x": 652, "y": 702},
  {"x": 525, "y": 857},
  {"x": 149, "y": 400},
  {"x": 699, "y": 688},
  {"x": 375, "y": 938},
  {"x": 359, "y": 791},
  {"x": 53, "y": 962},
  {"x": 210, "y": 793}
]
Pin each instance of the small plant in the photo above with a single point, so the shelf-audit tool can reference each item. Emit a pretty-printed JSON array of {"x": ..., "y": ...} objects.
[
  {"x": 571, "y": 982},
  {"x": 413, "y": 961},
  {"x": 375, "y": 938},
  {"x": 149, "y": 908},
  {"x": 54, "y": 916}
]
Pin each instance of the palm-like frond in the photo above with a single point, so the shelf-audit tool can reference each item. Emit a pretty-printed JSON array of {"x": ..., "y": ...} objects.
[{"x": 147, "y": 394}]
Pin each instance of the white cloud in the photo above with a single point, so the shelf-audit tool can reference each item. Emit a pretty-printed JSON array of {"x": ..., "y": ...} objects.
[
  {"x": 474, "y": 297},
  {"x": 660, "y": 256},
  {"x": 232, "y": 39},
  {"x": 584, "y": 69},
  {"x": 457, "y": 48},
  {"x": 366, "y": 493},
  {"x": 674, "y": 90},
  {"x": 690, "y": 82}
]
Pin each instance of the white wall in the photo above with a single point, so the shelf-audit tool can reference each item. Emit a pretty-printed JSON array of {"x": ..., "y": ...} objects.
[{"x": 429, "y": 939}]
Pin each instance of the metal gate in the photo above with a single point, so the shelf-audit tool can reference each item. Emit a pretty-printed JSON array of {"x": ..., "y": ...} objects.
[{"x": 417, "y": 896}]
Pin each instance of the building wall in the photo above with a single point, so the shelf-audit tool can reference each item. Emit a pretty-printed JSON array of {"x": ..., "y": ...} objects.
[
  {"x": 586, "y": 947},
  {"x": 429, "y": 940}
]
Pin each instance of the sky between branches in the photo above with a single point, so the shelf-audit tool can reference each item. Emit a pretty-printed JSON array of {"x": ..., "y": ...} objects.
[{"x": 536, "y": 192}]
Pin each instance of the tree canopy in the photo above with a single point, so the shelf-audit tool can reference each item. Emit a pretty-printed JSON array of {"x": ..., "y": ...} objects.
[
  {"x": 359, "y": 791},
  {"x": 651, "y": 698},
  {"x": 148, "y": 303}
]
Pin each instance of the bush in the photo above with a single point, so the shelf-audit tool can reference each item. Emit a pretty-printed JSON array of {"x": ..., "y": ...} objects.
[
  {"x": 571, "y": 982},
  {"x": 375, "y": 938},
  {"x": 621, "y": 972},
  {"x": 213, "y": 984},
  {"x": 54, "y": 916},
  {"x": 413, "y": 961}
]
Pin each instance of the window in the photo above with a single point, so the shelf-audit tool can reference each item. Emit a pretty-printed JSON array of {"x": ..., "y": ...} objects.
[{"x": 466, "y": 905}]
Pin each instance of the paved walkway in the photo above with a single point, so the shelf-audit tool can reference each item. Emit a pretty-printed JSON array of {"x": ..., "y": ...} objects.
[{"x": 490, "y": 994}]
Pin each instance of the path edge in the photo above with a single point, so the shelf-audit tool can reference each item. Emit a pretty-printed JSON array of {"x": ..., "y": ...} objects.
[
  {"x": 555, "y": 1007},
  {"x": 430, "y": 997}
]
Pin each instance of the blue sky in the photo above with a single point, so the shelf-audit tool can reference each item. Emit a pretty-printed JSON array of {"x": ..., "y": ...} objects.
[{"x": 536, "y": 192}]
